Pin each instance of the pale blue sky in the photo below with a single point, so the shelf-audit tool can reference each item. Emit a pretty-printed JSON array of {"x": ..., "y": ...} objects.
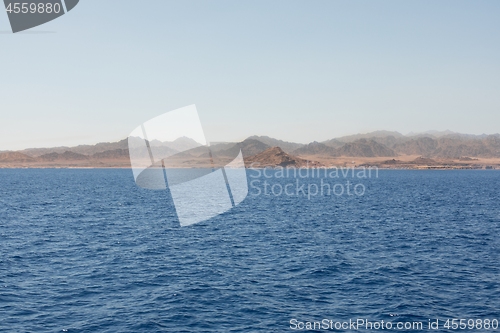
[{"x": 295, "y": 70}]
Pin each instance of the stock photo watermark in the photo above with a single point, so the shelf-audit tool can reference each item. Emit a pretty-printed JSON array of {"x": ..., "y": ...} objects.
[
  {"x": 363, "y": 324},
  {"x": 162, "y": 151},
  {"x": 309, "y": 182},
  {"x": 24, "y": 15}
]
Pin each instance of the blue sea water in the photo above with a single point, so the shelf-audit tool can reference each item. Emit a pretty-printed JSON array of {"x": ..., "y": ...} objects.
[{"x": 89, "y": 251}]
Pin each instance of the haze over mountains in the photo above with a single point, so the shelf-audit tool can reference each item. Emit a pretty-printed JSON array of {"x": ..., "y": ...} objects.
[{"x": 383, "y": 144}]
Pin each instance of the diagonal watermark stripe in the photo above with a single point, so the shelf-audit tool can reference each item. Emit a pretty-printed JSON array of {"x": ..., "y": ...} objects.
[{"x": 171, "y": 151}]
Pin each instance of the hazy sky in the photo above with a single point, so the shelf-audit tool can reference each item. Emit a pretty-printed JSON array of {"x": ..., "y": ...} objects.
[{"x": 295, "y": 70}]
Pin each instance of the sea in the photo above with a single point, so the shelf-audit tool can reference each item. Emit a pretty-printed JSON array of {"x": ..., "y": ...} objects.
[{"x": 89, "y": 251}]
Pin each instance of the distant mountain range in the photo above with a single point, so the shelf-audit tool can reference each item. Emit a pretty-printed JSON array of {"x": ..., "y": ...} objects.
[{"x": 383, "y": 144}]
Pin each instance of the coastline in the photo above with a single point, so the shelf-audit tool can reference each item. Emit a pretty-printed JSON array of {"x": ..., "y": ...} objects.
[{"x": 420, "y": 168}]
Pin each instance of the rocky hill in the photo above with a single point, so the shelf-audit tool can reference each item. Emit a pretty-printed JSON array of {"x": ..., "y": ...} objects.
[
  {"x": 316, "y": 148},
  {"x": 15, "y": 157},
  {"x": 365, "y": 148},
  {"x": 371, "y": 135},
  {"x": 358, "y": 148},
  {"x": 66, "y": 156},
  {"x": 287, "y": 147},
  {"x": 112, "y": 154},
  {"x": 451, "y": 147},
  {"x": 275, "y": 156},
  {"x": 82, "y": 149}
]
